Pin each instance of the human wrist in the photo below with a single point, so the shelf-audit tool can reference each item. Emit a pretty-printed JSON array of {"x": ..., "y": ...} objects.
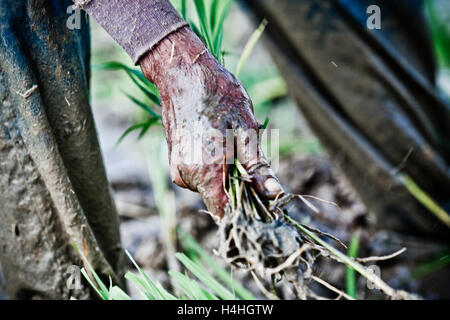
[{"x": 178, "y": 49}]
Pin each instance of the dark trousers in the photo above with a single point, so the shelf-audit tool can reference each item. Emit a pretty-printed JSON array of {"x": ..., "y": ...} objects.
[
  {"x": 370, "y": 97},
  {"x": 53, "y": 185}
]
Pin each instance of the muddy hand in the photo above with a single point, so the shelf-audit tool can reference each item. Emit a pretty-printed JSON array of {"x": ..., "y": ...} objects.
[{"x": 203, "y": 105}]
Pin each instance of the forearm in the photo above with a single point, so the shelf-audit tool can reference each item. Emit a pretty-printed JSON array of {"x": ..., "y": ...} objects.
[{"x": 137, "y": 25}]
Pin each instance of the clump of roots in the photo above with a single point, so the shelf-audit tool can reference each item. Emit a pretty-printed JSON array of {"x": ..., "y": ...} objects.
[
  {"x": 272, "y": 248},
  {"x": 260, "y": 237}
]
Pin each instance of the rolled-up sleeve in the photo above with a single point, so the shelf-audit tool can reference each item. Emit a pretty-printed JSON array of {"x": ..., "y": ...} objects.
[{"x": 137, "y": 25}]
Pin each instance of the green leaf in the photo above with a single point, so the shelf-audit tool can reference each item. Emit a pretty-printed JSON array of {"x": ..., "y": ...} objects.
[
  {"x": 266, "y": 123},
  {"x": 150, "y": 285},
  {"x": 190, "y": 287},
  {"x": 204, "y": 23},
  {"x": 143, "y": 106},
  {"x": 151, "y": 92},
  {"x": 143, "y": 287},
  {"x": 165, "y": 293},
  {"x": 214, "y": 14},
  {"x": 218, "y": 46},
  {"x": 183, "y": 9},
  {"x": 99, "y": 292},
  {"x": 264, "y": 90},
  {"x": 425, "y": 200},
  {"x": 438, "y": 22},
  {"x": 102, "y": 288},
  {"x": 146, "y": 86},
  {"x": 349, "y": 262},
  {"x": 149, "y": 123},
  {"x": 113, "y": 65},
  {"x": 189, "y": 244},
  {"x": 144, "y": 126},
  {"x": 441, "y": 260},
  {"x": 350, "y": 274},
  {"x": 115, "y": 293},
  {"x": 218, "y": 27},
  {"x": 197, "y": 31},
  {"x": 131, "y": 129},
  {"x": 250, "y": 45},
  {"x": 205, "y": 277}
]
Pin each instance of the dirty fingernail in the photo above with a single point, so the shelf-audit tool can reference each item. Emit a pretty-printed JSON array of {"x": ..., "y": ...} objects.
[{"x": 272, "y": 186}]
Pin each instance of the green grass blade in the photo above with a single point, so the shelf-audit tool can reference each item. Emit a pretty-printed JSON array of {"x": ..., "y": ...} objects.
[
  {"x": 190, "y": 287},
  {"x": 146, "y": 86},
  {"x": 130, "y": 130},
  {"x": 441, "y": 261},
  {"x": 250, "y": 45},
  {"x": 114, "y": 66},
  {"x": 115, "y": 293},
  {"x": 218, "y": 27},
  {"x": 166, "y": 294},
  {"x": 153, "y": 288},
  {"x": 142, "y": 285},
  {"x": 440, "y": 32},
  {"x": 197, "y": 31},
  {"x": 205, "y": 277},
  {"x": 266, "y": 123},
  {"x": 265, "y": 90},
  {"x": 240, "y": 168},
  {"x": 204, "y": 23},
  {"x": 143, "y": 106},
  {"x": 426, "y": 200},
  {"x": 99, "y": 292},
  {"x": 149, "y": 123},
  {"x": 190, "y": 244},
  {"x": 214, "y": 14},
  {"x": 151, "y": 93},
  {"x": 97, "y": 279},
  {"x": 217, "y": 43},
  {"x": 350, "y": 274},
  {"x": 380, "y": 284},
  {"x": 183, "y": 283},
  {"x": 183, "y": 9}
]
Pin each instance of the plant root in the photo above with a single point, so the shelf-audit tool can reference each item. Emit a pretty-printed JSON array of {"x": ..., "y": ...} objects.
[{"x": 261, "y": 238}]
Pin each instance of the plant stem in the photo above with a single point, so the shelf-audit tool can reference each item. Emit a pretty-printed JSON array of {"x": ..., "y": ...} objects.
[{"x": 350, "y": 275}]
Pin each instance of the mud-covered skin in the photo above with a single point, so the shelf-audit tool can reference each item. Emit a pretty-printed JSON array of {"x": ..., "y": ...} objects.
[{"x": 199, "y": 95}]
